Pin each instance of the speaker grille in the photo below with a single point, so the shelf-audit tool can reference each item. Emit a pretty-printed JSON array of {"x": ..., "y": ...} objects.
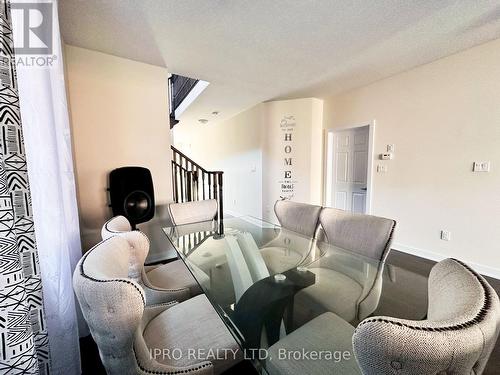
[{"x": 131, "y": 193}]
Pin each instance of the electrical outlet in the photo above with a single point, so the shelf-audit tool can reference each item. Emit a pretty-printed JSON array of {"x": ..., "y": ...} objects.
[
  {"x": 445, "y": 235},
  {"x": 390, "y": 148},
  {"x": 381, "y": 168}
]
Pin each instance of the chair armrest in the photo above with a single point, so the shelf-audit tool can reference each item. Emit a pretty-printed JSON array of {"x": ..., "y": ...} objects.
[
  {"x": 145, "y": 361},
  {"x": 156, "y": 296},
  {"x": 367, "y": 275},
  {"x": 372, "y": 289},
  {"x": 386, "y": 345},
  {"x": 344, "y": 262},
  {"x": 152, "y": 311},
  {"x": 150, "y": 268}
]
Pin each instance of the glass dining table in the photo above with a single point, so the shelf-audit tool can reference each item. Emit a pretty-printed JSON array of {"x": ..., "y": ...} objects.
[{"x": 265, "y": 282}]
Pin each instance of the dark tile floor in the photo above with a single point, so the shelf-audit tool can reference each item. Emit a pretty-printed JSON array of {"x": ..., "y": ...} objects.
[{"x": 410, "y": 303}]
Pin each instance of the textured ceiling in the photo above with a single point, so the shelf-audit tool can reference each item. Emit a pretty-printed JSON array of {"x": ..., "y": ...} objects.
[{"x": 253, "y": 51}]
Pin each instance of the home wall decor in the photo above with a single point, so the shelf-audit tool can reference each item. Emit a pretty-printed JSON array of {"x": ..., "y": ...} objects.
[
  {"x": 287, "y": 180},
  {"x": 24, "y": 345},
  {"x": 291, "y": 152}
]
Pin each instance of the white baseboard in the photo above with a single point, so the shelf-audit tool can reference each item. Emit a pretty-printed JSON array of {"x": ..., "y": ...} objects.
[
  {"x": 481, "y": 268},
  {"x": 232, "y": 213}
]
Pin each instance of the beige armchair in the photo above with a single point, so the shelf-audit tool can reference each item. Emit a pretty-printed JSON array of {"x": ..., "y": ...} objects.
[
  {"x": 458, "y": 336},
  {"x": 366, "y": 235},
  {"x": 348, "y": 283},
  {"x": 162, "y": 283},
  {"x": 298, "y": 217},
  {"x": 168, "y": 338},
  {"x": 192, "y": 212},
  {"x": 286, "y": 251},
  {"x": 294, "y": 240}
]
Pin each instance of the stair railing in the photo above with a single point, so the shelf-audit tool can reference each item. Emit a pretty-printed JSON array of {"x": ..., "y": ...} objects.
[{"x": 192, "y": 182}]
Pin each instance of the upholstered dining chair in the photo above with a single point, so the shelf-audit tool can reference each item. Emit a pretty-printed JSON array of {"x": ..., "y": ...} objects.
[
  {"x": 192, "y": 212},
  {"x": 293, "y": 242},
  {"x": 367, "y": 235},
  {"x": 348, "y": 283},
  {"x": 137, "y": 339},
  {"x": 298, "y": 217},
  {"x": 286, "y": 251},
  {"x": 458, "y": 336},
  {"x": 164, "y": 282}
]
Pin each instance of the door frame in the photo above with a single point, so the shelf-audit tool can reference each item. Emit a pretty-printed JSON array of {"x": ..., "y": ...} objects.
[{"x": 328, "y": 136}]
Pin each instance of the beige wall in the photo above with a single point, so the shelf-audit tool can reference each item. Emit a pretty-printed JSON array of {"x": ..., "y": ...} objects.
[
  {"x": 232, "y": 146},
  {"x": 119, "y": 115},
  {"x": 249, "y": 149},
  {"x": 441, "y": 117}
]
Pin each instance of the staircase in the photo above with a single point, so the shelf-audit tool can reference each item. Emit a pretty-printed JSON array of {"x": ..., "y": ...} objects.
[
  {"x": 192, "y": 182},
  {"x": 179, "y": 87}
]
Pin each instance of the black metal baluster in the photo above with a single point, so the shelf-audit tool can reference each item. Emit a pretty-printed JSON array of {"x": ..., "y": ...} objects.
[
  {"x": 214, "y": 185},
  {"x": 182, "y": 184},
  {"x": 187, "y": 181},
  {"x": 197, "y": 184},
  {"x": 190, "y": 182},
  {"x": 174, "y": 185},
  {"x": 209, "y": 182},
  {"x": 221, "y": 216},
  {"x": 203, "y": 183}
]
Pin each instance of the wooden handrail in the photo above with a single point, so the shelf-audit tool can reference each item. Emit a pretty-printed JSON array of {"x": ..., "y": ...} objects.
[{"x": 177, "y": 151}]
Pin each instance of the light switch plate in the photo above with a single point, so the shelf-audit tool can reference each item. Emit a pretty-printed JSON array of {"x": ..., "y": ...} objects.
[
  {"x": 481, "y": 166},
  {"x": 381, "y": 168},
  {"x": 445, "y": 235},
  {"x": 390, "y": 148}
]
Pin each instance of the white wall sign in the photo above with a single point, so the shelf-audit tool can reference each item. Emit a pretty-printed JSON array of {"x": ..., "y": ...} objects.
[
  {"x": 287, "y": 179},
  {"x": 291, "y": 153}
]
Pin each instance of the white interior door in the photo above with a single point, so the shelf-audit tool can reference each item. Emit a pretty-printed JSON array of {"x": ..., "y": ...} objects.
[{"x": 350, "y": 167}]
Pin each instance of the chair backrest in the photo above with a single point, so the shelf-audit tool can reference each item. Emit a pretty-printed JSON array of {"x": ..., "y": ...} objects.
[
  {"x": 367, "y": 235},
  {"x": 458, "y": 336},
  {"x": 298, "y": 217},
  {"x": 192, "y": 212},
  {"x": 139, "y": 249},
  {"x": 112, "y": 303},
  {"x": 117, "y": 224}
]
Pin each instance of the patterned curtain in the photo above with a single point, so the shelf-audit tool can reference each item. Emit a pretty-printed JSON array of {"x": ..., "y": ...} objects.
[{"x": 23, "y": 337}]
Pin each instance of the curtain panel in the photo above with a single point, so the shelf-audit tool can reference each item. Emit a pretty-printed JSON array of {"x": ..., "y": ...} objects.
[
  {"x": 24, "y": 345},
  {"x": 47, "y": 139}
]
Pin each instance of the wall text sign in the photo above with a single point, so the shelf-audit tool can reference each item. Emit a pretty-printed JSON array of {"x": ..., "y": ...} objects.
[{"x": 287, "y": 179}]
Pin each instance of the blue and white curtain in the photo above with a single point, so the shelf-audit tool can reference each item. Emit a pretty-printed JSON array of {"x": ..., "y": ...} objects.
[{"x": 24, "y": 345}]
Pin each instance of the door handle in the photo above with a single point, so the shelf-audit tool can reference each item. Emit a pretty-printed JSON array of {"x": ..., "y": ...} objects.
[{"x": 364, "y": 189}]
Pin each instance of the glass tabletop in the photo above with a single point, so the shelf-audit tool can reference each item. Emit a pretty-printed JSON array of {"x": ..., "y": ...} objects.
[{"x": 267, "y": 282}]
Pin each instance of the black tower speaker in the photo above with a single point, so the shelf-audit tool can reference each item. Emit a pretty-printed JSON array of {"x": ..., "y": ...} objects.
[{"x": 131, "y": 194}]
